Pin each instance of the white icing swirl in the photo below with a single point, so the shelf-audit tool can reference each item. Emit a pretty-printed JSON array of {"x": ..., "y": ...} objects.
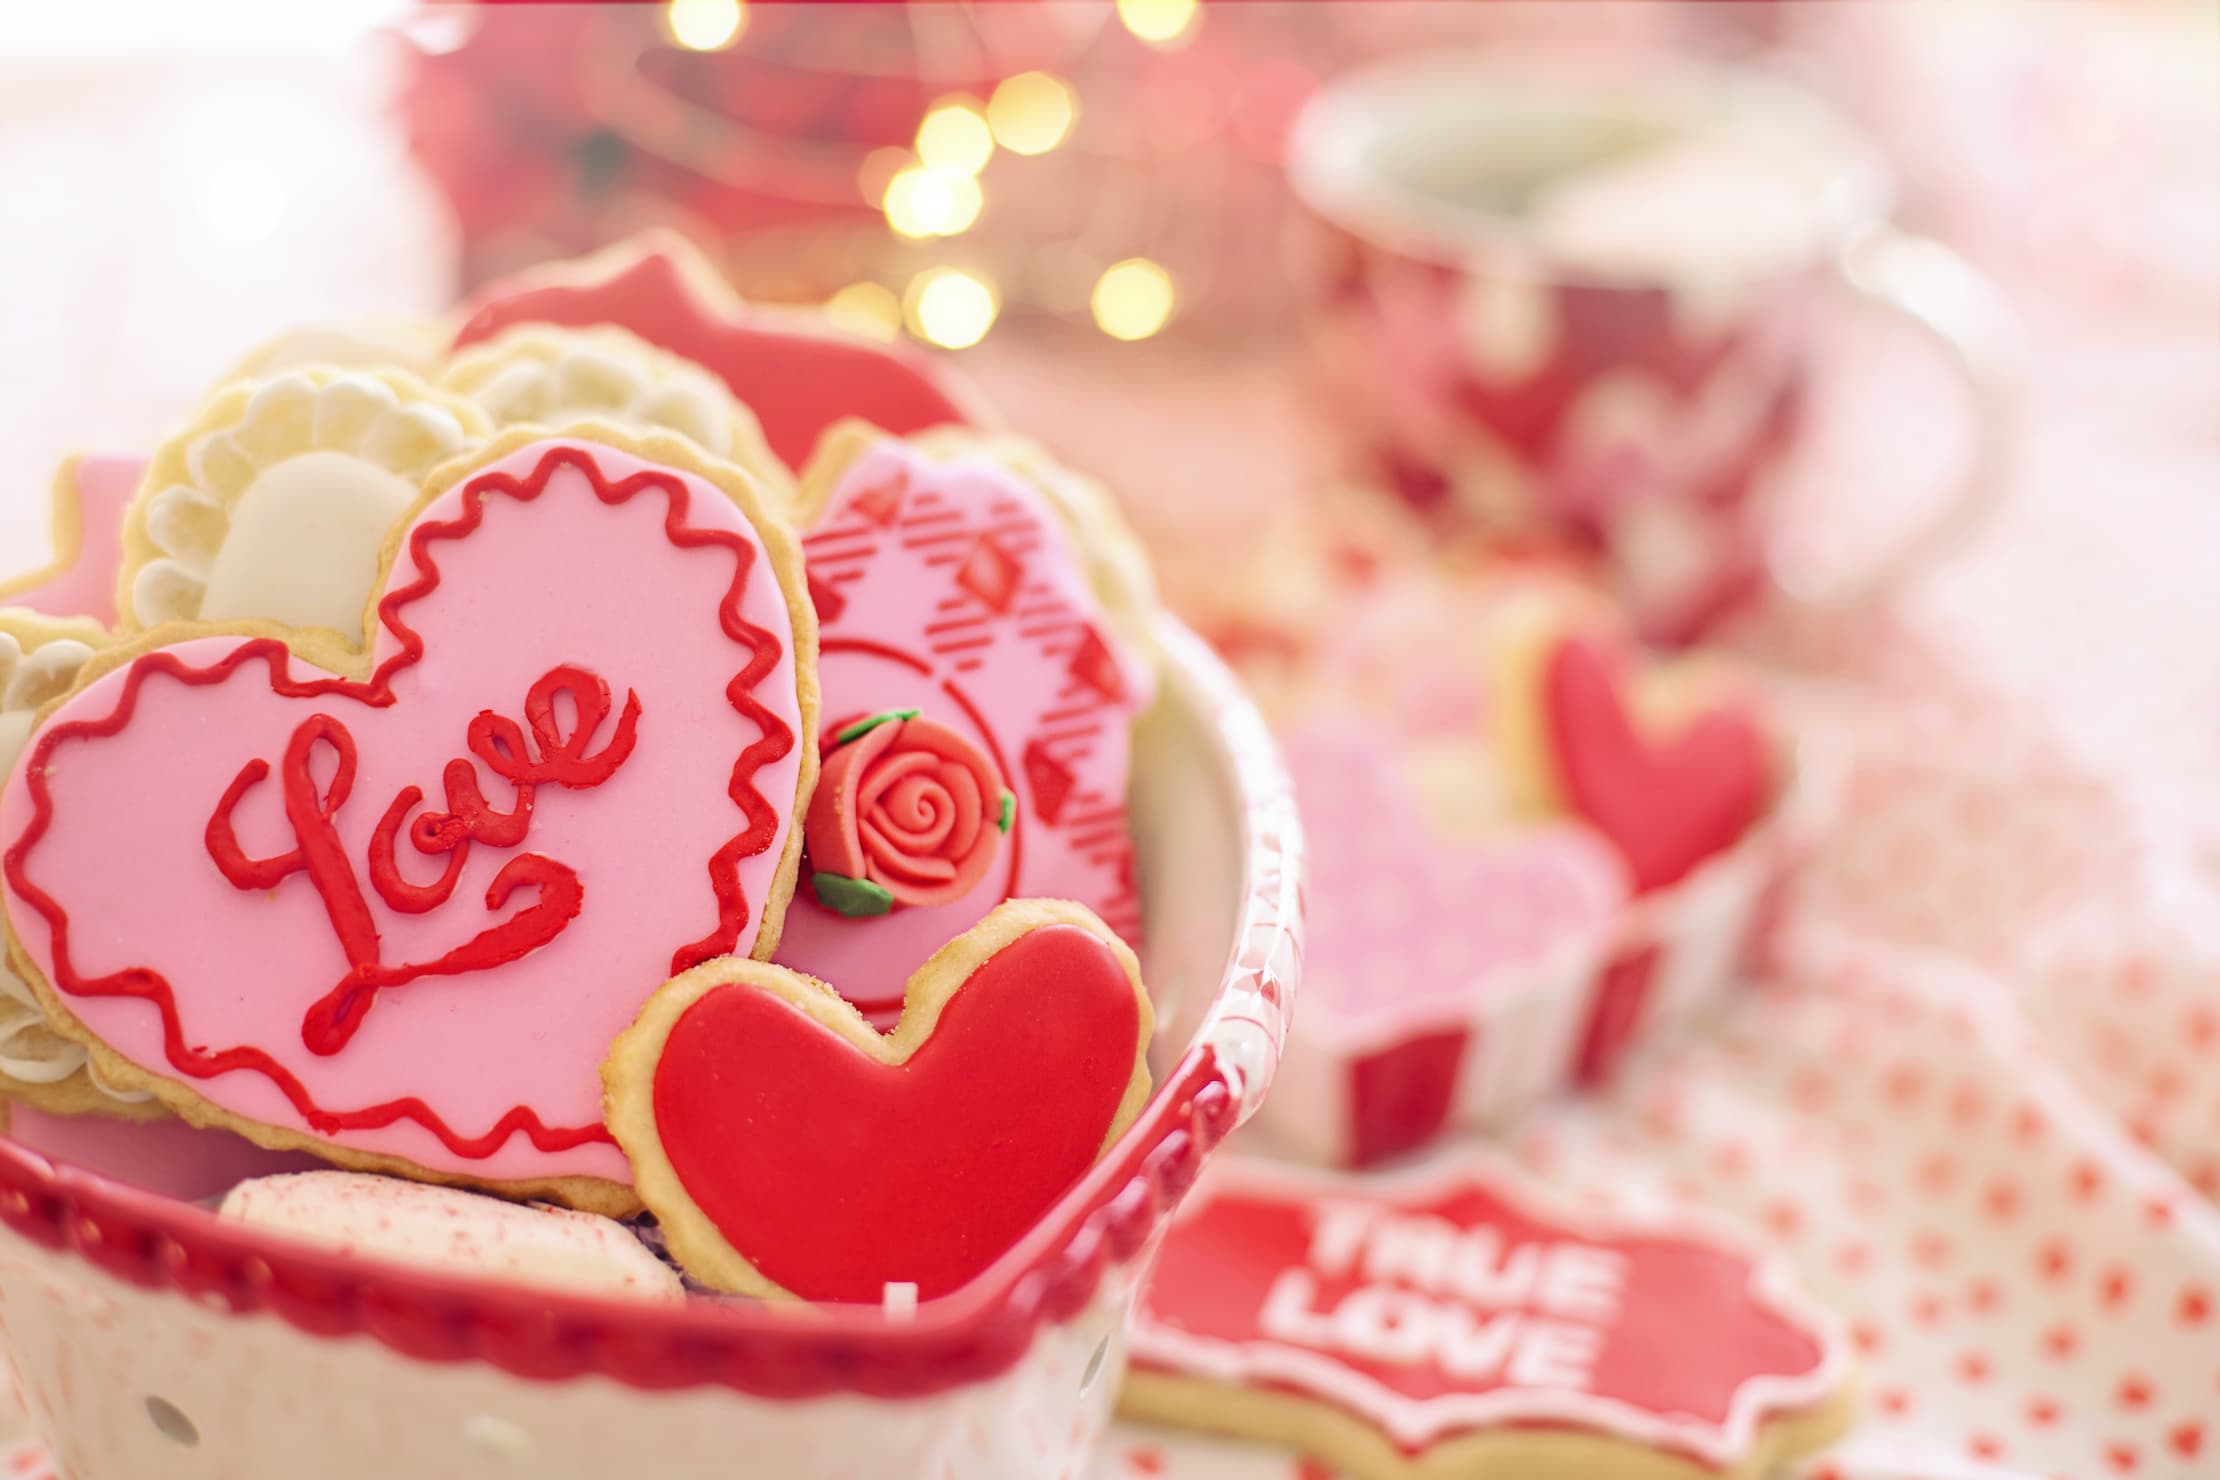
[{"x": 283, "y": 512}]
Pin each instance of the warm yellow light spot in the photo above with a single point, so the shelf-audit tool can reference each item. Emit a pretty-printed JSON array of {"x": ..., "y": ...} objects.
[
  {"x": 1132, "y": 299},
  {"x": 705, "y": 25},
  {"x": 921, "y": 202},
  {"x": 1031, "y": 112},
  {"x": 1163, "y": 23},
  {"x": 950, "y": 307},
  {"x": 868, "y": 309},
  {"x": 955, "y": 138}
]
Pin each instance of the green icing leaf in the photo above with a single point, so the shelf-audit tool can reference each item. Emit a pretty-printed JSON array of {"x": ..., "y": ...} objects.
[
  {"x": 854, "y": 898},
  {"x": 1009, "y": 811},
  {"x": 866, "y": 726}
]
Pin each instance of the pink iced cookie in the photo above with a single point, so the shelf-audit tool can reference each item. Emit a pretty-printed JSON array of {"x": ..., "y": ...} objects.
[
  {"x": 463, "y": 1233},
  {"x": 569, "y": 770},
  {"x": 90, "y": 494},
  {"x": 1405, "y": 920},
  {"x": 950, "y": 588}
]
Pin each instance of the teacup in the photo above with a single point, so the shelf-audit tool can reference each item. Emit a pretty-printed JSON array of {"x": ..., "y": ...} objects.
[{"x": 1579, "y": 315}]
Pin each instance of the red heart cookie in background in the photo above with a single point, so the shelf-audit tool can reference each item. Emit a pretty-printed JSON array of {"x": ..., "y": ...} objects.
[
  {"x": 1672, "y": 763},
  {"x": 90, "y": 495},
  {"x": 796, "y": 374},
  {"x": 788, "y": 1148},
  {"x": 453, "y": 867},
  {"x": 1453, "y": 1320},
  {"x": 952, "y": 587},
  {"x": 1669, "y": 800}
]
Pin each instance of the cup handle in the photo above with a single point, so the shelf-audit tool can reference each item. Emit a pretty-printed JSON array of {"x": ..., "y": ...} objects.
[{"x": 1962, "y": 314}]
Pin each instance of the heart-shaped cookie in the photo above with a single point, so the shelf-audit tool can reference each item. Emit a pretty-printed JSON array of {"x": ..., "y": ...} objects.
[
  {"x": 950, "y": 587},
  {"x": 394, "y": 907},
  {"x": 1668, "y": 797},
  {"x": 1409, "y": 918},
  {"x": 792, "y": 370},
  {"x": 787, "y": 1148}
]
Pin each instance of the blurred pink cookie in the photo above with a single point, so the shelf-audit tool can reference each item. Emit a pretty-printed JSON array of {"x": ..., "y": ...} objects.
[
  {"x": 1405, "y": 917},
  {"x": 90, "y": 495}
]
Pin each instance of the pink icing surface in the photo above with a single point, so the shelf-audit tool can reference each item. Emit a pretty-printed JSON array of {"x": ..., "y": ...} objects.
[
  {"x": 992, "y": 656},
  {"x": 565, "y": 578},
  {"x": 1401, "y": 915},
  {"x": 86, "y": 587}
]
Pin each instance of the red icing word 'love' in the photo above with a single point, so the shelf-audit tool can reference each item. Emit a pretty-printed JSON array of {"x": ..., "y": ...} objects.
[{"x": 562, "y": 760}]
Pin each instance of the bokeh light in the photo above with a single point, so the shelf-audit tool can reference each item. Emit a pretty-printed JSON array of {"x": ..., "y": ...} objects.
[
  {"x": 868, "y": 309},
  {"x": 1032, "y": 112},
  {"x": 922, "y": 203},
  {"x": 955, "y": 137},
  {"x": 1161, "y": 23},
  {"x": 1133, "y": 299},
  {"x": 950, "y": 307},
  {"x": 705, "y": 25}
]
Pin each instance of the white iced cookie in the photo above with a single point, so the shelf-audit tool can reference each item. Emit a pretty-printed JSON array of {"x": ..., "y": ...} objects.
[
  {"x": 414, "y": 345},
  {"x": 457, "y": 1232},
  {"x": 40, "y": 658},
  {"x": 540, "y": 375},
  {"x": 274, "y": 504}
]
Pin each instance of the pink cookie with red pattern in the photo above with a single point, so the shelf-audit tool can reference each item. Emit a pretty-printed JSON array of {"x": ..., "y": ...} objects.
[
  {"x": 452, "y": 867},
  {"x": 1455, "y": 1320},
  {"x": 979, "y": 697},
  {"x": 792, "y": 369}
]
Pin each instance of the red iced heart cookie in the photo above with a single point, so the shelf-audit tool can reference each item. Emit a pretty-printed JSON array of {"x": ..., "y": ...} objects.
[
  {"x": 1666, "y": 801},
  {"x": 795, "y": 373},
  {"x": 568, "y": 767},
  {"x": 788, "y": 1148},
  {"x": 949, "y": 585}
]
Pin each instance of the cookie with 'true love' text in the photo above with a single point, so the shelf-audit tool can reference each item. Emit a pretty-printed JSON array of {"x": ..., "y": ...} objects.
[{"x": 1454, "y": 1321}]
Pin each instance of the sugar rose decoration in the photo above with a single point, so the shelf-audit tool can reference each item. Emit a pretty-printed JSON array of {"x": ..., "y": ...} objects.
[{"x": 907, "y": 812}]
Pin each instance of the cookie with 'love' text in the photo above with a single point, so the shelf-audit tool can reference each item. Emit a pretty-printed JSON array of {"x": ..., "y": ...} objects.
[
  {"x": 788, "y": 1148},
  {"x": 451, "y": 861}
]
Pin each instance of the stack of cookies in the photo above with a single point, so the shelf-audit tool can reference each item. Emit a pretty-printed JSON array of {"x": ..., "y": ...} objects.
[{"x": 639, "y": 755}]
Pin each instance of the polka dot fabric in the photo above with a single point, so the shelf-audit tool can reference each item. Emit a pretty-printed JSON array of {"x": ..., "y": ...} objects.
[{"x": 1974, "y": 1106}]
